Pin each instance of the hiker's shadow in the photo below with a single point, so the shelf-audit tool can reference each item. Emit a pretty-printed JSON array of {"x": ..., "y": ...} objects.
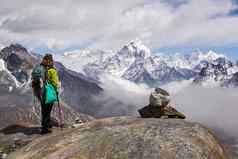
[{"x": 13, "y": 129}]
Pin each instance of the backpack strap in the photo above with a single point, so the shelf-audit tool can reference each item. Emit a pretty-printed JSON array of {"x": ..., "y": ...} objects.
[{"x": 46, "y": 75}]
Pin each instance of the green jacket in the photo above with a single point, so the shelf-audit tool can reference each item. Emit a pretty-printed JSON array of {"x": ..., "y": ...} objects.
[{"x": 53, "y": 78}]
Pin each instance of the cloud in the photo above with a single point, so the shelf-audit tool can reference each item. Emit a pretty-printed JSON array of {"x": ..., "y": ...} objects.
[
  {"x": 1, "y": 46},
  {"x": 215, "y": 108},
  {"x": 111, "y": 24},
  {"x": 121, "y": 97}
]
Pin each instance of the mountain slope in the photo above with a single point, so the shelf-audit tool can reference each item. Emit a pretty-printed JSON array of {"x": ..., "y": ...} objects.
[
  {"x": 16, "y": 97},
  {"x": 78, "y": 90}
]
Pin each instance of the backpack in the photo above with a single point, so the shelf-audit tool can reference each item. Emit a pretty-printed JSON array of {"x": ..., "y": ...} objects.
[
  {"x": 38, "y": 72},
  {"x": 50, "y": 95},
  {"x": 38, "y": 76}
]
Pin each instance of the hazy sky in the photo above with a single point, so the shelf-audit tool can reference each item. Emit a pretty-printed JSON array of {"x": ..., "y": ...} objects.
[{"x": 164, "y": 25}]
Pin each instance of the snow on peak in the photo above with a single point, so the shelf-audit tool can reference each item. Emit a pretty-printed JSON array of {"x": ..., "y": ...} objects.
[
  {"x": 209, "y": 56},
  {"x": 135, "y": 48},
  {"x": 78, "y": 59},
  {"x": 190, "y": 61},
  {"x": 1, "y": 46},
  {"x": 177, "y": 60},
  {"x": 76, "y": 53},
  {"x": 11, "y": 77},
  {"x": 2, "y": 65}
]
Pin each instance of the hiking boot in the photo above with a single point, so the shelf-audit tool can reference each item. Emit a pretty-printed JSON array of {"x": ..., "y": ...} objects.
[{"x": 45, "y": 131}]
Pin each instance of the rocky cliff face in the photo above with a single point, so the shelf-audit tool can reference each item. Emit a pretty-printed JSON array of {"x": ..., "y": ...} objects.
[{"x": 127, "y": 138}]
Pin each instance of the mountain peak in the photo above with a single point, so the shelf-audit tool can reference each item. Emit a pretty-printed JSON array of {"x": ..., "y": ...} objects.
[
  {"x": 136, "y": 42},
  {"x": 18, "y": 47},
  {"x": 210, "y": 56},
  {"x": 76, "y": 53},
  {"x": 213, "y": 54},
  {"x": 14, "y": 49},
  {"x": 137, "y": 49},
  {"x": 18, "y": 61}
]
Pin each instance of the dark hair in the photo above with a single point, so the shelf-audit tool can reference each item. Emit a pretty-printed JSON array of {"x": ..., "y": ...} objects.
[{"x": 47, "y": 60}]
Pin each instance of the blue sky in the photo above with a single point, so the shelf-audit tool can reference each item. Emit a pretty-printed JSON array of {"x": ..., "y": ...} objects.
[
  {"x": 167, "y": 26},
  {"x": 230, "y": 51}
]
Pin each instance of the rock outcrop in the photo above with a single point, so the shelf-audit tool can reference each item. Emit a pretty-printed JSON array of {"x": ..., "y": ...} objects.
[
  {"x": 127, "y": 138},
  {"x": 159, "y": 106}
]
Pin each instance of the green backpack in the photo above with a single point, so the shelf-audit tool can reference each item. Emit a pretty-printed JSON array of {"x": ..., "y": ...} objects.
[
  {"x": 38, "y": 76},
  {"x": 50, "y": 93},
  {"x": 38, "y": 72}
]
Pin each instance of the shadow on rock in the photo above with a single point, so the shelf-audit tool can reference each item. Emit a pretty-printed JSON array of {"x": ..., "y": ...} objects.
[{"x": 17, "y": 128}]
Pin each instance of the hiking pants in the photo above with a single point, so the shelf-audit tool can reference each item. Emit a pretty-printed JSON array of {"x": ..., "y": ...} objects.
[{"x": 45, "y": 115}]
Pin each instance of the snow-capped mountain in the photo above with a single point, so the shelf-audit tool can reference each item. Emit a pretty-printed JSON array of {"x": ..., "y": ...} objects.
[
  {"x": 76, "y": 60},
  {"x": 216, "y": 72},
  {"x": 18, "y": 62},
  {"x": 132, "y": 54},
  {"x": 191, "y": 61},
  {"x": 135, "y": 62}
]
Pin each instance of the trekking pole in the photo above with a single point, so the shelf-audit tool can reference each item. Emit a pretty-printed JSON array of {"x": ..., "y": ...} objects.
[{"x": 60, "y": 113}]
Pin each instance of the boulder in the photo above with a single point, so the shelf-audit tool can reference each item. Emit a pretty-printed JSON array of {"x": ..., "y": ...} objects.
[
  {"x": 160, "y": 112},
  {"x": 159, "y": 106},
  {"x": 126, "y": 138}
]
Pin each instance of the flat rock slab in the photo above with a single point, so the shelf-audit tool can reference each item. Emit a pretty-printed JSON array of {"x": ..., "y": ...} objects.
[{"x": 127, "y": 138}]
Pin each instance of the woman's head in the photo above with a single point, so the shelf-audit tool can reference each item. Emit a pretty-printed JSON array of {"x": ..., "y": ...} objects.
[{"x": 47, "y": 60}]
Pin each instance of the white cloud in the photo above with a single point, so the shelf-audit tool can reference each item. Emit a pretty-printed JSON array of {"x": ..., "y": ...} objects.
[
  {"x": 121, "y": 97},
  {"x": 1, "y": 46},
  {"x": 215, "y": 108},
  {"x": 110, "y": 24}
]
